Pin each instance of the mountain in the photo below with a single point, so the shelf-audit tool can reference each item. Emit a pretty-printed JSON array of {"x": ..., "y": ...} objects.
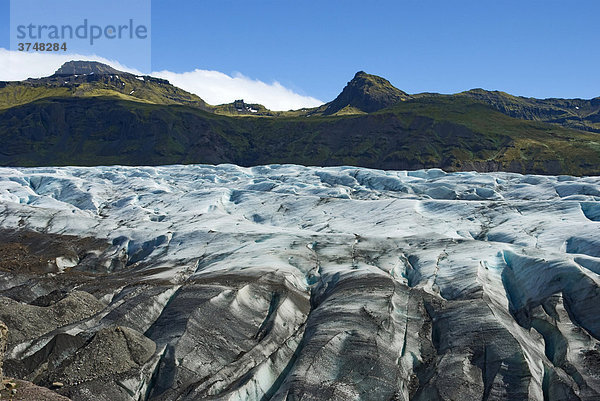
[
  {"x": 85, "y": 79},
  {"x": 109, "y": 118},
  {"x": 365, "y": 93},
  {"x": 573, "y": 113},
  {"x": 286, "y": 282},
  {"x": 86, "y": 68}
]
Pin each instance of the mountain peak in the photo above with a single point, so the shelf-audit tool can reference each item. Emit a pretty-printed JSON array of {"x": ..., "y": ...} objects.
[
  {"x": 366, "y": 93},
  {"x": 81, "y": 67}
]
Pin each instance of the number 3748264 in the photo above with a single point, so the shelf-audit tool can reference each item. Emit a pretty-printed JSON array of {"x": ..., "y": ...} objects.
[{"x": 42, "y": 47}]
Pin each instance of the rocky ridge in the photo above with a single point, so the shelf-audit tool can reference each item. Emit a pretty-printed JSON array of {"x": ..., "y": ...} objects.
[{"x": 365, "y": 93}]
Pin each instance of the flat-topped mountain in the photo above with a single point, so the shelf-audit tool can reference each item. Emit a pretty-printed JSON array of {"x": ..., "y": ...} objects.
[
  {"x": 85, "y": 67},
  {"x": 85, "y": 79}
]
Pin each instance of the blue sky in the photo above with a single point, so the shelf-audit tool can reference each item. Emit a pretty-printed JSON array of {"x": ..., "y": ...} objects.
[{"x": 532, "y": 48}]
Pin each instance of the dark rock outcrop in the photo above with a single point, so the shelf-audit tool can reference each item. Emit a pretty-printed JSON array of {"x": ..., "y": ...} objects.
[
  {"x": 366, "y": 93},
  {"x": 86, "y": 67}
]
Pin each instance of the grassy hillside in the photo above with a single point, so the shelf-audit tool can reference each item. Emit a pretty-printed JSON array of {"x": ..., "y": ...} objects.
[
  {"x": 573, "y": 113},
  {"x": 431, "y": 132},
  {"x": 533, "y": 146}
]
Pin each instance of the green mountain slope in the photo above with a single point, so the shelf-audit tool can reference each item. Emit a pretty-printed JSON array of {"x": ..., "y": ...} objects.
[
  {"x": 104, "y": 116},
  {"x": 573, "y": 113},
  {"x": 419, "y": 133}
]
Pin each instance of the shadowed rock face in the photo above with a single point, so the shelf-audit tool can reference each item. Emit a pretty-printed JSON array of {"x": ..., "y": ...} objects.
[{"x": 295, "y": 283}]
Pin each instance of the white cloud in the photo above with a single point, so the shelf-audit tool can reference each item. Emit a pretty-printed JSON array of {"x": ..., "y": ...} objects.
[
  {"x": 218, "y": 88},
  {"x": 213, "y": 86}
]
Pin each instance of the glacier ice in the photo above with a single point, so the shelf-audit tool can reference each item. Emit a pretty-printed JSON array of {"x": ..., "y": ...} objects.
[{"x": 285, "y": 282}]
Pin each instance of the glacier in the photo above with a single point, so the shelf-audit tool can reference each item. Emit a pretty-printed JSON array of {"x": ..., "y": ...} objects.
[{"x": 285, "y": 282}]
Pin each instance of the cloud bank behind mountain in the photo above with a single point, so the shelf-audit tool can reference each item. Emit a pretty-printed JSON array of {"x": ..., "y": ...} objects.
[{"x": 214, "y": 87}]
